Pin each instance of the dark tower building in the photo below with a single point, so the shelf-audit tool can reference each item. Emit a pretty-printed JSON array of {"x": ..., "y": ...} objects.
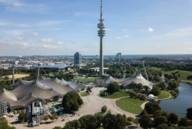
[
  {"x": 77, "y": 59},
  {"x": 101, "y": 34}
]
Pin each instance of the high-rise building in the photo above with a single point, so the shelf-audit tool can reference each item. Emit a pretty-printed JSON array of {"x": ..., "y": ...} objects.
[
  {"x": 77, "y": 59},
  {"x": 118, "y": 57},
  {"x": 101, "y": 34}
]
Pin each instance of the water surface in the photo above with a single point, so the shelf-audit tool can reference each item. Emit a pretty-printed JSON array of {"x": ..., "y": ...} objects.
[{"x": 180, "y": 104}]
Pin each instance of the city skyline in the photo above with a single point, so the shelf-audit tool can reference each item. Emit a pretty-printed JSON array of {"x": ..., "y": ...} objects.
[{"x": 62, "y": 27}]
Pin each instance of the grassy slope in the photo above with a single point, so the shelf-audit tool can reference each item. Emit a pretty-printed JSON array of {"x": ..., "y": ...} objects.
[
  {"x": 183, "y": 74},
  {"x": 17, "y": 76},
  {"x": 84, "y": 93},
  {"x": 130, "y": 105},
  {"x": 164, "y": 95},
  {"x": 117, "y": 95},
  {"x": 85, "y": 79}
]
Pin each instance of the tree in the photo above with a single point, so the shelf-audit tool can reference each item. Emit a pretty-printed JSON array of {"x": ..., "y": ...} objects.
[
  {"x": 73, "y": 125},
  {"x": 89, "y": 122},
  {"x": 22, "y": 117},
  {"x": 99, "y": 121},
  {"x": 152, "y": 107},
  {"x": 4, "y": 124},
  {"x": 173, "y": 85},
  {"x": 71, "y": 102},
  {"x": 145, "y": 121},
  {"x": 163, "y": 126},
  {"x": 113, "y": 87},
  {"x": 156, "y": 91},
  {"x": 104, "y": 109},
  {"x": 114, "y": 121},
  {"x": 189, "y": 113},
  {"x": 172, "y": 118},
  {"x": 160, "y": 120},
  {"x": 162, "y": 85},
  {"x": 183, "y": 122},
  {"x": 57, "y": 128}
]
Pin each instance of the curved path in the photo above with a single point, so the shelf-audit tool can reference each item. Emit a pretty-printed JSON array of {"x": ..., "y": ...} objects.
[
  {"x": 143, "y": 105},
  {"x": 93, "y": 104}
]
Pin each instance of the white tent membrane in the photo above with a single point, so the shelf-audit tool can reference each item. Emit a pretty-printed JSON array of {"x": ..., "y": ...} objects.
[
  {"x": 138, "y": 79},
  {"x": 44, "y": 89}
]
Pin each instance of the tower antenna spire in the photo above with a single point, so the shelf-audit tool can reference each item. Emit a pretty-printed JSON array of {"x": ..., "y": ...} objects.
[
  {"x": 101, "y": 34},
  {"x": 101, "y": 10}
]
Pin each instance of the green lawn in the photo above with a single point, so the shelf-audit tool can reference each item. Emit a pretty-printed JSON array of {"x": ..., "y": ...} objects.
[
  {"x": 164, "y": 95},
  {"x": 130, "y": 105},
  {"x": 117, "y": 95},
  {"x": 84, "y": 93},
  {"x": 183, "y": 74},
  {"x": 154, "y": 69},
  {"x": 187, "y": 81},
  {"x": 85, "y": 79}
]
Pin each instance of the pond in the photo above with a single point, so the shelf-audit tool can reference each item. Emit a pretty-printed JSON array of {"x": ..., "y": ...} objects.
[{"x": 180, "y": 104}]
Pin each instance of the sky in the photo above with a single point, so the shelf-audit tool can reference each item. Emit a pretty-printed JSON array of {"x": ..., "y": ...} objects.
[{"x": 63, "y": 27}]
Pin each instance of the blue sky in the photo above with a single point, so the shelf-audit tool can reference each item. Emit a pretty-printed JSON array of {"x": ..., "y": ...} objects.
[{"x": 62, "y": 27}]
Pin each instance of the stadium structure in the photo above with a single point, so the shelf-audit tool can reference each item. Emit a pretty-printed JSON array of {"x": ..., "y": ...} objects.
[{"x": 28, "y": 91}]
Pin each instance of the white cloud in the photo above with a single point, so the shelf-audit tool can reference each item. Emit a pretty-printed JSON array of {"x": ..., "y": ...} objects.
[
  {"x": 177, "y": 34},
  {"x": 35, "y": 34},
  {"x": 182, "y": 32},
  {"x": 122, "y": 37},
  {"x": 12, "y": 3},
  {"x": 150, "y": 29},
  {"x": 44, "y": 24},
  {"x": 22, "y": 6}
]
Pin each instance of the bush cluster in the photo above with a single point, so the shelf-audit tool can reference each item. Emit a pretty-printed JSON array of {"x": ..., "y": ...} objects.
[
  {"x": 71, "y": 102},
  {"x": 153, "y": 117},
  {"x": 4, "y": 124},
  {"x": 99, "y": 121}
]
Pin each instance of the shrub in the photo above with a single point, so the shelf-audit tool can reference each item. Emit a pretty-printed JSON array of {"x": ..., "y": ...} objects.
[
  {"x": 103, "y": 93},
  {"x": 173, "y": 93},
  {"x": 22, "y": 117},
  {"x": 172, "y": 118},
  {"x": 156, "y": 91},
  {"x": 71, "y": 102},
  {"x": 132, "y": 94},
  {"x": 98, "y": 121},
  {"x": 189, "y": 113},
  {"x": 141, "y": 96},
  {"x": 160, "y": 120},
  {"x": 113, "y": 87},
  {"x": 4, "y": 124},
  {"x": 73, "y": 125},
  {"x": 114, "y": 121},
  {"x": 145, "y": 121},
  {"x": 57, "y": 127},
  {"x": 172, "y": 85},
  {"x": 104, "y": 109},
  {"x": 163, "y": 126},
  {"x": 183, "y": 122},
  {"x": 46, "y": 117},
  {"x": 152, "y": 107},
  {"x": 130, "y": 119}
]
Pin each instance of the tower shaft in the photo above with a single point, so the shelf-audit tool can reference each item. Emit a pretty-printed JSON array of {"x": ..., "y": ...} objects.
[
  {"x": 101, "y": 57},
  {"x": 101, "y": 34}
]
